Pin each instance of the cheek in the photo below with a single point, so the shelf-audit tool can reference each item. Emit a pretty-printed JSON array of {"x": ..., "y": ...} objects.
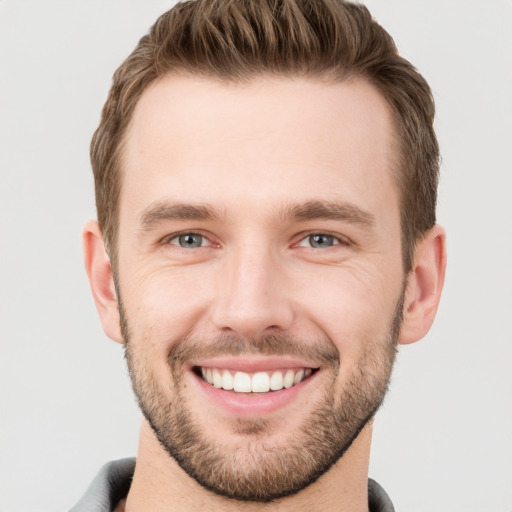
[
  {"x": 165, "y": 301},
  {"x": 352, "y": 308},
  {"x": 162, "y": 306}
]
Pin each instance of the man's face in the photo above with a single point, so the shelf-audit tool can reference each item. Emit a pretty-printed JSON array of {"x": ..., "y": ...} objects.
[{"x": 259, "y": 248}]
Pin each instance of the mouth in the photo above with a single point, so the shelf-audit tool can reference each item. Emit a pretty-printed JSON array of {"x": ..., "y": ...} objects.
[
  {"x": 254, "y": 387},
  {"x": 266, "y": 381}
]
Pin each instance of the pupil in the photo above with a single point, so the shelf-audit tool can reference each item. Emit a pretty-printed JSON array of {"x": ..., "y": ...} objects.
[
  {"x": 321, "y": 240},
  {"x": 188, "y": 241}
]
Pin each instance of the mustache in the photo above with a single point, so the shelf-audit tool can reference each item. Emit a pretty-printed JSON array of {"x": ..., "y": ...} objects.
[{"x": 320, "y": 352}]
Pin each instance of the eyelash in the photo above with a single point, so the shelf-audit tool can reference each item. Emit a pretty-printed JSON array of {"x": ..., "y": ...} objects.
[
  {"x": 175, "y": 236},
  {"x": 339, "y": 240}
]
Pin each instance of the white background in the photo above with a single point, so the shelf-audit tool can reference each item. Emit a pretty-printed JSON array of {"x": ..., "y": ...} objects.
[{"x": 443, "y": 441}]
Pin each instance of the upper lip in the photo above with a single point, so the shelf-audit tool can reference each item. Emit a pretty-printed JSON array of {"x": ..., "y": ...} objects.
[{"x": 251, "y": 365}]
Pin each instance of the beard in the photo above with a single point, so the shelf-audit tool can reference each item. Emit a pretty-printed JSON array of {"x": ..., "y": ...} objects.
[{"x": 256, "y": 469}]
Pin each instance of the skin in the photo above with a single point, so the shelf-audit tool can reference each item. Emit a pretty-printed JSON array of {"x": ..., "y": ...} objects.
[{"x": 249, "y": 151}]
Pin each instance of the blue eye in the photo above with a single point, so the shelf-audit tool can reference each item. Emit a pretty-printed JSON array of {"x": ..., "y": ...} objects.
[
  {"x": 188, "y": 240},
  {"x": 320, "y": 241}
]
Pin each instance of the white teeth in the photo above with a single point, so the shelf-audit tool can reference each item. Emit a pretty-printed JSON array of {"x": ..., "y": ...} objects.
[
  {"x": 242, "y": 382},
  {"x": 227, "y": 380},
  {"x": 259, "y": 382},
  {"x": 288, "y": 379},
  {"x": 276, "y": 381},
  {"x": 298, "y": 377},
  {"x": 217, "y": 378}
]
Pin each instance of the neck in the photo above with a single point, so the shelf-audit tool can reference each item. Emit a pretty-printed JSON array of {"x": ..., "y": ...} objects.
[{"x": 160, "y": 485}]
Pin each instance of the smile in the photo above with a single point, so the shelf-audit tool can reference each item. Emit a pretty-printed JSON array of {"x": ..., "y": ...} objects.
[{"x": 257, "y": 382}]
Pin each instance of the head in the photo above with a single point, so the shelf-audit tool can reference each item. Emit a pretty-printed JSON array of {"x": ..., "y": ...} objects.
[
  {"x": 266, "y": 180},
  {"x": 236, "y": 41}
]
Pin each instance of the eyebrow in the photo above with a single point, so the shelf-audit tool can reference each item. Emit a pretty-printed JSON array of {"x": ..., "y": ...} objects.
[
  {"x": 311, "y": 210},
  {"x": 163, "y": 211},
  {"x": 341, "y": 211}
]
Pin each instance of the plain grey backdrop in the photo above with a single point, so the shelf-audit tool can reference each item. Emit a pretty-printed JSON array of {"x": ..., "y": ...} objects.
[{"x": 443, "y": 438}]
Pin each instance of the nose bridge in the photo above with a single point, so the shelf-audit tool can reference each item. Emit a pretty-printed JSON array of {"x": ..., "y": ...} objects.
[{"x": 252, "y": 296}]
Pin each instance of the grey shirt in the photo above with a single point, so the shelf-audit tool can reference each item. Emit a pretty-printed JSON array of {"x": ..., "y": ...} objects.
[{"x": 114, "y": 479}]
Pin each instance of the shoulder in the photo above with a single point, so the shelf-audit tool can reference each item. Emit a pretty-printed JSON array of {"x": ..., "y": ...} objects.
[
  {"x": 110, "y": 485},
  {"x": 378, "y": 500}
]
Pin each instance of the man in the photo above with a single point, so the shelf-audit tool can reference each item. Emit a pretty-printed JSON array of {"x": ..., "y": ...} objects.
[{"x": 266, "y": 177}]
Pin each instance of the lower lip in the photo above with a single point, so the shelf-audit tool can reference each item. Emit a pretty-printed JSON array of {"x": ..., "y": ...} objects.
[{"x": 252, "y": 404}]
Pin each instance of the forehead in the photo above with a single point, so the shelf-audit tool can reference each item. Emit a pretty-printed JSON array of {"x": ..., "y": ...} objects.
[{"x": 271, "y": 138}]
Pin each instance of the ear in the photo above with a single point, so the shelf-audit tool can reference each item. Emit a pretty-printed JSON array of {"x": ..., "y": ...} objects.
[
  {"x": 99, "y": 271},
  {"x": 424, "y": 286}
]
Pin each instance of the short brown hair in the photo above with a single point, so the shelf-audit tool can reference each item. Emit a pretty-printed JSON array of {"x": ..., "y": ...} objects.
[{"x": 236, "y": 40}]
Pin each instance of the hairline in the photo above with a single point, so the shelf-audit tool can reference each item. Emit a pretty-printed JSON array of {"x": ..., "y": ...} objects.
[{"x": 397, "y": 162}]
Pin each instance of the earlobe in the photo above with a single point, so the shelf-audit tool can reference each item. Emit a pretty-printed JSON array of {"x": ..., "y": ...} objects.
[
  {"x": 424, "y": 286},
  {"x": 99, "y": 271}
]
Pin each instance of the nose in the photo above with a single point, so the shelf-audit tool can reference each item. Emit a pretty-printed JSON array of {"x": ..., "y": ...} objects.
[{"x": 252, "y": 300}]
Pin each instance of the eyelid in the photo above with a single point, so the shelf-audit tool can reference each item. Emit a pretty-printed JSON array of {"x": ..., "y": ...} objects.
[
  {"x": 168, "y": 238},
  {"x": 340, "y": 239}
]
